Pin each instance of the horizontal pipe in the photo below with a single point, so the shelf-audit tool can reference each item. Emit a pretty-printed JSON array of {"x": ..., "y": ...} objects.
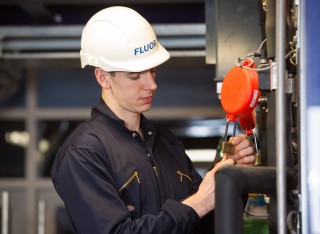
[
  {"x": 196, "y": 29},
  {"x": 232, "y": 183}
]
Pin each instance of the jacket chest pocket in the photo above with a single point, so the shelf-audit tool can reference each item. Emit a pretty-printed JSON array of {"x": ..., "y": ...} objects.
[
  {"x": 183, "y": 176},
  {"x": 182, "y": 184},
  {"x": 132, "y": 179},
  {"x": 129, "y": 188}
]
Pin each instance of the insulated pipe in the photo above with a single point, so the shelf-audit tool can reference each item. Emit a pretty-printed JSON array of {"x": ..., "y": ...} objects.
[
  {"x": 270, "y": 28},
  {"x": 281, "y": 116},
  {"x": 232, "y": 183}
]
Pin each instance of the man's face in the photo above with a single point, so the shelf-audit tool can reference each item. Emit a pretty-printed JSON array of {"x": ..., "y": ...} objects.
[{"x": 134, "y": 91}]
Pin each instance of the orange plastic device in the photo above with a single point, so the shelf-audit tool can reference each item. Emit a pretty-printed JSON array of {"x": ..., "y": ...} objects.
[
  {"x": 247, "y": 123},
  {"x": 239, "y": 95},
  {"x": 240, "y": 92}
]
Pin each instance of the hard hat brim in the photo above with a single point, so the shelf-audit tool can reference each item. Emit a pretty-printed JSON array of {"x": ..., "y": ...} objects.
[{"x": 155, "y": 59}]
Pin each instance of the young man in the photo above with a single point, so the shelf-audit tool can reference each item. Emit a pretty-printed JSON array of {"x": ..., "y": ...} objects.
[{"x": 117, "y": 172}]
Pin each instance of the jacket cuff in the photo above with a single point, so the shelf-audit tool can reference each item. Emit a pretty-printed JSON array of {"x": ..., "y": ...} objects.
[{"x": 181, "y": 213}]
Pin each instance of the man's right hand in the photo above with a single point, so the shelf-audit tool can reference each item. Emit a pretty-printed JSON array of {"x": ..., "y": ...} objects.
[{"x": 203, "y": 201}]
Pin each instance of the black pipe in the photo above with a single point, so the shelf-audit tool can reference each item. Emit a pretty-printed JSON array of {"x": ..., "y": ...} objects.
[
  {"x": 270, "y": 27},
  {"x": 232, "y": 183}
]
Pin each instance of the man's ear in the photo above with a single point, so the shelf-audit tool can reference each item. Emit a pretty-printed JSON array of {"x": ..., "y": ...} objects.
[{"x": 103, "y": 78}]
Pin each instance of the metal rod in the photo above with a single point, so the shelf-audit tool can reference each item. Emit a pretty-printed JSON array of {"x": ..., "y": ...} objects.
[
  {"x": 5, "y": 213},
  {"x": 256, "y": 143},
  {"x": 74, "y": 31},
  {"x": 302, "y": 133},
  {"x": 41, "y": 216},
  {"x": 234, "y": 128},
  {"x": 226, "y": 131},
  {"x": 281, "y": 116},
  {"x": 31, "y": 159}
]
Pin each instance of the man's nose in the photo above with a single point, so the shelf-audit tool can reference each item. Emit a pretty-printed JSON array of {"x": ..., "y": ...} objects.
[{"x": 150, "y": 82}]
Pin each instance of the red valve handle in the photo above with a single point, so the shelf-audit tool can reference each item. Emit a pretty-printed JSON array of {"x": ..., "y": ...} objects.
[
  {"x": 240, "y": 94},
  {"x": 231, "y": 118},
  {"x": 240, "y": 91},
  {"x": 247, "y": 123}
]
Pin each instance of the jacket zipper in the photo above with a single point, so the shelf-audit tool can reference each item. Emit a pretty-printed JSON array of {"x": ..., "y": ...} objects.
[
  {"x": 155, "y": 170},
  {"x": 183, "y": 175},
  {"x": 135, "y": 175}
]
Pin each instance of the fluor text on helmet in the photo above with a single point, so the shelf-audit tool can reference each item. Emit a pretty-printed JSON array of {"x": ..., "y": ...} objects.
[{"x": 145, "y": 48}]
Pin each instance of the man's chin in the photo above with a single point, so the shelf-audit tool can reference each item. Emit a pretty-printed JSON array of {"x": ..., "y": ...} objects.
[{"x": 146, "y": 107}]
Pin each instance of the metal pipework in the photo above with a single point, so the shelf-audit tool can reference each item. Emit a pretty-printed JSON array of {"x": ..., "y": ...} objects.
[
  {"x": 5, "y": 212},
  {"x": 303, "y": 136},
  {"x": 281, "y": 116},
  {"x": 235, "y": 182}
]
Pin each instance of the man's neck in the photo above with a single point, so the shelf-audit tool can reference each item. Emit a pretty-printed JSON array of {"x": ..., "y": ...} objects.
[{"x": 131, "y": 120}]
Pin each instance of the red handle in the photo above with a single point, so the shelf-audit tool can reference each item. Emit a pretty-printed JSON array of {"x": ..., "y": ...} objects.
[{"x": 247, "y": 123}]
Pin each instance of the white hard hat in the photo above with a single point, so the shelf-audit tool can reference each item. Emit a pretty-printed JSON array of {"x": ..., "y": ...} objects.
[{"x": 119, "y": 39}]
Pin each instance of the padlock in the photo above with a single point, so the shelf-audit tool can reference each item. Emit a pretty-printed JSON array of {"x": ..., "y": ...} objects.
[
  {"x": 225, "y": 147},
  {"x": 239, "y": 96},
  {"x": 257, "y": 161},
  {"x": 228, "y": 147}
]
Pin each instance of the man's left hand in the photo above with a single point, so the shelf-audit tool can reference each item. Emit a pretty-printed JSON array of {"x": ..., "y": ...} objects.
[{"x": 244, "y": 153}]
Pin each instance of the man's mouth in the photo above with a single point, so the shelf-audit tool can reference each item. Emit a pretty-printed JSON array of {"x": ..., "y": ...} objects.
[{"x": 147, "y": 99}]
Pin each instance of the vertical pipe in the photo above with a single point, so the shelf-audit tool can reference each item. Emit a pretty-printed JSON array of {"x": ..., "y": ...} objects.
[
  {"x": 270, "y": 28},
  {"x": 31, "y": 163},
  {"x": 41, "y": 216},
  {"x": 303, "y": 138},
  {"x": 281, "y": 115},
  {"x": 5, "y": 213}
]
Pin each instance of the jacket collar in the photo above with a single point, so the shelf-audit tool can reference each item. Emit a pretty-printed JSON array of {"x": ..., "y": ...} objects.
[{"x": 103, "y": 113}]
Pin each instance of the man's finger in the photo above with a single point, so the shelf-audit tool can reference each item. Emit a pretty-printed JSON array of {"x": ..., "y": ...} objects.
[
  {"x": 237, "y": 139},
  {"x": 222, "y": 163}
]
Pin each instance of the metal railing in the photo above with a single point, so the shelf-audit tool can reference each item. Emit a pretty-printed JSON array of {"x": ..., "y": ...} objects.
[{"x": 21, "y": 42}]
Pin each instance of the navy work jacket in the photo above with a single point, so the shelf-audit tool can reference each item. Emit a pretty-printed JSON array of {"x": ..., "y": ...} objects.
[{"x": 113, "y": 181}]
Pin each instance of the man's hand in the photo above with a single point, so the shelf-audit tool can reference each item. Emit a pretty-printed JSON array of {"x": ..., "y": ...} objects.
[
  {"x": 203, "y": 201},
  {"x": 244, "y": 152}
]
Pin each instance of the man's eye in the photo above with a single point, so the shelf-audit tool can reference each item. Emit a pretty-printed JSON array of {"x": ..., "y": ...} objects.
[{"x": 135, "y": 77}]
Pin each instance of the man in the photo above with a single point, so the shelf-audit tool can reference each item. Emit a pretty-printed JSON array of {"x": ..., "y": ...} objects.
[{"x": 117, "y": 172}]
